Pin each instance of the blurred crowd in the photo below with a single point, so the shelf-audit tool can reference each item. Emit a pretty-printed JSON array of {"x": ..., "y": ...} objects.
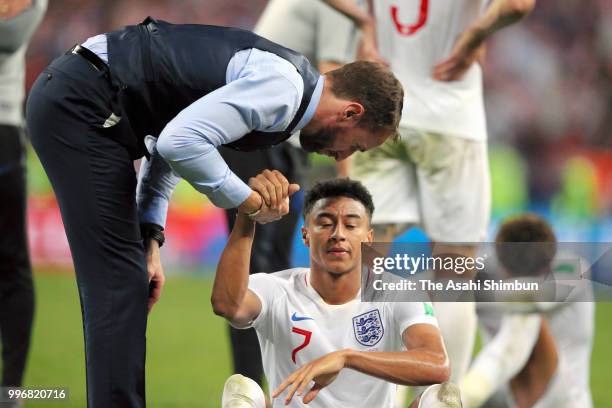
[
  {"x": 548, "y": 79},
  {"x": 552, "y": 74},
  {"x": 549, "y": 92},
  {"x": 72, "y": 21}
]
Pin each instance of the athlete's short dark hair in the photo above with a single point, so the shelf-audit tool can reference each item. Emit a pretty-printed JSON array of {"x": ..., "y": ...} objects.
[
  {"x": 536, "y": 248},
  {"x": 341, "y": 187}
]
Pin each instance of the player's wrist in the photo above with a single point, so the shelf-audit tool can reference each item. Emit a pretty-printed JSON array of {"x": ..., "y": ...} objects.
[
  {"x": 244, "y": 222},
  {"x": 367, "y": 25},
  {"x": 252, "y": 206},
  {"x": 244, "y": 227},
  {"x": 348, "y": 356}
]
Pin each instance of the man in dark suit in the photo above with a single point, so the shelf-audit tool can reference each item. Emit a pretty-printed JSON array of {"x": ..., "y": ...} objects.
[{"x": 174, "y": 93}]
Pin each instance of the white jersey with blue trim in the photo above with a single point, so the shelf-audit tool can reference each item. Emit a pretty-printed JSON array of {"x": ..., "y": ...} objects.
[
  {"x": 415, "y": 35},
  {"x": 296, "y": 326}
]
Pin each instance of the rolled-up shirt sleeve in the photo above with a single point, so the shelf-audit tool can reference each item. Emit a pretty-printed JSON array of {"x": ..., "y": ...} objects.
[{"x": 263, "y": 95}]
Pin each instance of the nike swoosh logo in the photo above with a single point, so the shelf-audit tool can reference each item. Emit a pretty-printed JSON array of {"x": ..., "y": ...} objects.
[{"x": 297, "y": 318}]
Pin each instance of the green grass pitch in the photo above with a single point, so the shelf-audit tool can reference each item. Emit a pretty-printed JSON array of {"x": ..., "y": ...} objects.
[{"x": 187, "y": 351}]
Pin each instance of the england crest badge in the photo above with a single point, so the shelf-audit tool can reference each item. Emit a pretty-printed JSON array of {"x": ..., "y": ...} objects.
[{"x": 368, "y": 328}]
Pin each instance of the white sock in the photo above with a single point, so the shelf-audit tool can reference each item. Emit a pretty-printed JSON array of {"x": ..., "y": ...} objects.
[{"x": 457, "y": 322}]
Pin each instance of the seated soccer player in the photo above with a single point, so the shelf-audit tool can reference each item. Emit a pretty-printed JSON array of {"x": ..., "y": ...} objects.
[
  {"x": 536, "y": 354},
  {"x": 320, "y": 344}
]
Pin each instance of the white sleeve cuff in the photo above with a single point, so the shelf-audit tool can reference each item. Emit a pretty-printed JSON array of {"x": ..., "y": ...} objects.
[{"x": 153, "y": 210}]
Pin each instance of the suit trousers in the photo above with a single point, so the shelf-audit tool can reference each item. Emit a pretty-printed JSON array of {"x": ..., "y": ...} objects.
[
  {"x": 16, "y": 287},
  {"x": 89, "y": 164}
]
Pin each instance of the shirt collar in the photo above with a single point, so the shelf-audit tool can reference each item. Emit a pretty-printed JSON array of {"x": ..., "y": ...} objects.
[
  {"x": 312, "y": 105},
  {"x": 314, "y": 295}
]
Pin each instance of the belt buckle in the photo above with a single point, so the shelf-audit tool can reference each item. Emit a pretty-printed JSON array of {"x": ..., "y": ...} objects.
[{"x": 75, "y": 49}]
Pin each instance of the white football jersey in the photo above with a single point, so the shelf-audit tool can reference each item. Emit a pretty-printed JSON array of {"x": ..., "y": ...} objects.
[
  {"x": 311, "y": 28},
  {"x": 415, "y": 35},
  {"x": 572, "y": 325},
  {"x": 296, "y": 326}
]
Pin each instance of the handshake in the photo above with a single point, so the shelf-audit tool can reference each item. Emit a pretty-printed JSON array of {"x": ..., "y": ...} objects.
[{"x": 269, "y": 200}]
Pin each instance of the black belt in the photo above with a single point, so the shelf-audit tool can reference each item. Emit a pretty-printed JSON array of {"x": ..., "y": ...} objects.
[{"x": 91, "y": 57}]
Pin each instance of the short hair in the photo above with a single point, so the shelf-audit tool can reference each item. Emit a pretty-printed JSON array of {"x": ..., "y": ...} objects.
[
  {"x": 341, "y": 187},
  {"x": 375, "y": 87},
  {"x": 525, "y": 259}
]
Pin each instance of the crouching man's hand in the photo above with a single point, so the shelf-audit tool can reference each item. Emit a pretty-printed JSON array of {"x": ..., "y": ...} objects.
[
  {"x": 274, "y": 191},
  {"x": 322, "y": 371}
]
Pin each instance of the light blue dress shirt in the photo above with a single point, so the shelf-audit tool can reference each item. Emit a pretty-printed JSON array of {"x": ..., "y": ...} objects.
[{"x": 263, "y": 92}]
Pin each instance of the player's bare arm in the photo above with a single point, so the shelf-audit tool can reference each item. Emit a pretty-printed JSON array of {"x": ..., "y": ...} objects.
[
  {"x": 531, "y": 383},
  {"x": 424, "y": 362},
  {"x": 368, "y": 50},
  {"x": 268, "y": 202},
  {"x": 231, "y": 297},
  {"x": 502, "y": 358},
  {"x": 349, "y": 8},
  {"x": 470, "y": 45}
]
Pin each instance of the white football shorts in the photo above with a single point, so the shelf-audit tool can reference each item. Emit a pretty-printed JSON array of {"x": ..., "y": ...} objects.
[{"x": 439, "y": 182}]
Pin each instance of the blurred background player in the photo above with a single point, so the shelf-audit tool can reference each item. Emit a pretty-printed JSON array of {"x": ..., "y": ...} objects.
[
  {"x": 18, "y": 21},
  {"x": 536, "y": 354},
  {"x": 438, "y": 176},
  {"x": 328, "y": 39},
  {"x": 311, "y": 324}
]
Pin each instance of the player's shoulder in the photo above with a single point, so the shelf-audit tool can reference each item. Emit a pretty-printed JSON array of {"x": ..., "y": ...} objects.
[
  {"x": 288, "y": 278},
  {"x": 567, "y": 265}
]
